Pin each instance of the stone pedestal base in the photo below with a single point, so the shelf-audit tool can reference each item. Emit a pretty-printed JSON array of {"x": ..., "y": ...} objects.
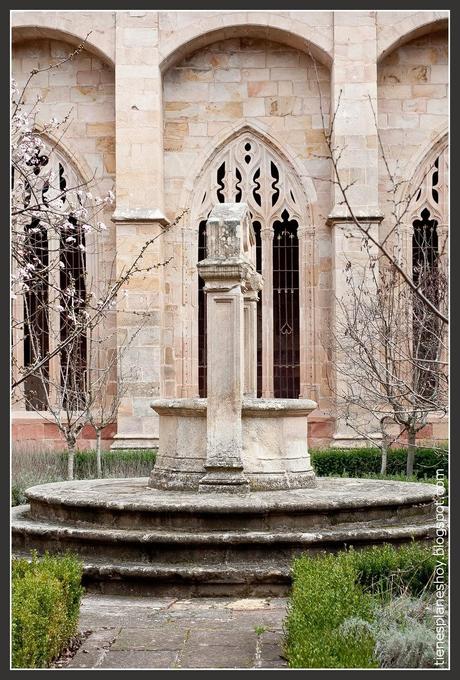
[
  {"x": 222, "y": 480},
  {"x": 274, "y": 454},
  {"x": 123, "y": 442},
  {"x": 132, "y": 538}
]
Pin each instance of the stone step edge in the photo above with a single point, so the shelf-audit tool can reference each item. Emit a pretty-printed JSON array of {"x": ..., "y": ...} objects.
[
  {"x": 185, "y": 570},
  {"x": 343, "y": 533},
  {"x": 425, "y": 496}
]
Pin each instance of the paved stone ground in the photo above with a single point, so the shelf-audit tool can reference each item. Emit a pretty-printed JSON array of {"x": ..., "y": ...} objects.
[{"x": 145, "y": 632}]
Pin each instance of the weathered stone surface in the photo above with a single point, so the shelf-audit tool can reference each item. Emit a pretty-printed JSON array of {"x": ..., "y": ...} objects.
[
  {"x": 168, "y": 542},
  {"x": 198, "y": 633}
]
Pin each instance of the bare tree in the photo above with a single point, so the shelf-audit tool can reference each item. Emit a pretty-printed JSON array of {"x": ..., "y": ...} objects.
[
  {"x": 389, "y": 344},
  {"x": 60, "y": 312},
  {"x": 399, "y": 212},
  {"x": 107, "y": 381},
  {"x": 389, "y": 353}
]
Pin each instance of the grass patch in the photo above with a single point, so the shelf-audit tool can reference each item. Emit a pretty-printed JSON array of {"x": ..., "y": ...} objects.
[
  {"x": 40, "y": 467},
  {"x": 338, "y": 602},
  {"x": 46, "y": 597}
]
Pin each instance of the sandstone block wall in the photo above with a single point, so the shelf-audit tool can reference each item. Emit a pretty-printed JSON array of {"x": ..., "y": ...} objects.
[{"x": 155, "y": 92}]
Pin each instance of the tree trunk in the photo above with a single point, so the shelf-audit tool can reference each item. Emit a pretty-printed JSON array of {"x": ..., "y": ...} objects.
[
  {"x": 386, "y": 440},
  {"x": 411, "y": 448},
  {"x": 384, "y": 450},
  {"x": 70, "y": 460},
  {"x": 98, "y": 454}
]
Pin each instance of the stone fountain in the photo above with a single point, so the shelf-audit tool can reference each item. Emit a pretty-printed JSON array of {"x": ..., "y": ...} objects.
[
  {"x": 232, "y": 442},
  {"x": 233, "y": 496}
]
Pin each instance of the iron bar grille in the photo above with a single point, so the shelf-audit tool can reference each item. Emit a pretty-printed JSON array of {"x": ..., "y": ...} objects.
[
  {"x": 73, "y": 360},
  {"x": 286, "y": 341},
  {"x": 202, "y": 387},
  {"x": 425, "y": 324}
]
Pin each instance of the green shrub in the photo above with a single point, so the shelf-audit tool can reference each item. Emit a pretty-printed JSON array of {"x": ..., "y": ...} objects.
[
  {"x": 387, "y": 569},
  {"x": 324, "y": 595},
  {"x": 403, "y": 630},
  {"x": 336, "y": 601},
  {"x": 365, "y": 461},
  {"x": 46, "y": 597}
]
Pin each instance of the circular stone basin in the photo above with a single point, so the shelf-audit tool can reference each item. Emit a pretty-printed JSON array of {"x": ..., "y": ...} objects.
[
  {"x": 133, "y": 537},
  {"x": 329, "y": 494}
]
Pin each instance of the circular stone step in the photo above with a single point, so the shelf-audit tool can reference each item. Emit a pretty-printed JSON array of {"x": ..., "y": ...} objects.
[{"x": 125, "y": 531}]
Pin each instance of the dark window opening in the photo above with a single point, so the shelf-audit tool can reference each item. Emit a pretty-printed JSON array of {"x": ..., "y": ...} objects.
[
  {"x": 202, "y": 375},
  {"x": 425, "y": 324},
  {"x": 36, "y": 329},
  {"x": 73, "y": 361},
  {"x": 286, "y": 340},
  {"x": 257, "y": 227}
]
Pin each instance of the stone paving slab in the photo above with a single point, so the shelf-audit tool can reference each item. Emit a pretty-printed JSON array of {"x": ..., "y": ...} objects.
[{"x": 155, "y": 633}]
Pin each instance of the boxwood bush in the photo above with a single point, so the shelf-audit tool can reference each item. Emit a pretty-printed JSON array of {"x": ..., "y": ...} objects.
[
  {"x": 332, "y": 590},
  {"x": 366, "y": 461},
  {"x": 46, "y": 595},
  {"x": 325, "y": 593}
]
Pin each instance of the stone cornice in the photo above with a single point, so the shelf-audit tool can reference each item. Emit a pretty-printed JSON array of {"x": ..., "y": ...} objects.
[
  {"x": 139, "y": 216},
  {"x": 341, "y": 216}
]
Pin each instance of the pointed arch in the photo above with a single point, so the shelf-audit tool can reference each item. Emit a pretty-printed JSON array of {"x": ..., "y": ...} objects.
[
  {"x": 247, "y": 164},
  {"x": 292, "y": 160},
  {"x": 428, "y": 180},
  {"x": 57, "y": 183}
]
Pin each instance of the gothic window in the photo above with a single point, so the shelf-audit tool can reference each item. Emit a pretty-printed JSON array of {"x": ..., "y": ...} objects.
[
  {"x": 44, "y": 321},
  {"x": 428, "y": 216},
  {"x": 248, "y": 171}
]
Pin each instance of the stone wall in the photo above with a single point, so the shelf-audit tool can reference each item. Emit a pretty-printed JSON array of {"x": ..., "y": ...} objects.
[
  {"x": 276, "y": 89},
  {"x": 412, "y": 102},
  {"x": 83, "y": 90},
  {"x": 183, "y": 81}
]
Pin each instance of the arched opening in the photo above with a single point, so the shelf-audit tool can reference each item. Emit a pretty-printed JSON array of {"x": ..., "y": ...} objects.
[
  {"x": 247, "y": 170},
  {"x": 54, "y": 254},
  {"x": 429, "y": 245}
]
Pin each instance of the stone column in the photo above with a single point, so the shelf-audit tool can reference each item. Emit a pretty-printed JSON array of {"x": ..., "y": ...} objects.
[
  {"x": 267, "y": 313},
  {"x": 307, "y": 312},
  {"x": 353, "y": 99},
  {"x": 139, "y": 217},
  {"x": 250, "y": 343},
  {"x": 225, "y": 271}
]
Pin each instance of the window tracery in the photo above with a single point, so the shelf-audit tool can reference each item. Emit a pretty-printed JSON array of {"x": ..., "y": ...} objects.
[
  {"x": 55, "y": 185},
  {"x": 247, "y": 170}
]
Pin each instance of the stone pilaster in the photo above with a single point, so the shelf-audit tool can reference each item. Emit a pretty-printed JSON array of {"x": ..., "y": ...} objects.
[
  {"x": 139, "y": 217},
  {"x": 354, "y": 110}
]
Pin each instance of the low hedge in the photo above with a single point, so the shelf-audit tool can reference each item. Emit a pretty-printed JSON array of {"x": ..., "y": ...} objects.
[
  {"x": 46, "y": 595},
  {"x": 361, "y": 462},
  {"x": 331, "y": 589}
]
